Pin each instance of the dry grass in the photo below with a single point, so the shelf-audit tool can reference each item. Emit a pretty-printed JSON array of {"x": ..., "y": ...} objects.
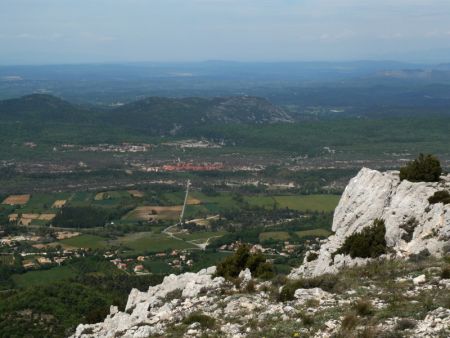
[
  {"x": 26, "y": 219},
  {"x": 59, "y": 203},
  {"x": 17, "y": 199},
  {"x": 100, "y": 196},
  {"x": 46, "y": 217},
  {"x": 66, "y": 234},
  {"x": 193, "y": 201},
  {"x": 136, "y": 193},
  {"x": 13, "y": 217}
]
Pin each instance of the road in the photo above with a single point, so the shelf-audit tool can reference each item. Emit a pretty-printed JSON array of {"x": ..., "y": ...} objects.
[{"x": 201, "y": 246}]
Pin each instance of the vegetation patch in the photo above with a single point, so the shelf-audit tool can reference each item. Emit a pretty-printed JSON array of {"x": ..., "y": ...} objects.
[
  {"x": 320, "y": 203},
  {"x": 312, "y": 256},
  {"x": 147, "y": 242},
  {"x": 369, "y": 243},
  {"x": 231, "y": 266},
  {"x": 81, "y": 217},
  {"x": 442, "y": 196},
  {"x": 85, "y": 241},
  {"x": 205, "y": 321},
  {"x": 313, "y": 233},
  {"x": 148, "y": 213},
  {"x": 275, "y": 235},
  {"x": 426, "y": 168}
]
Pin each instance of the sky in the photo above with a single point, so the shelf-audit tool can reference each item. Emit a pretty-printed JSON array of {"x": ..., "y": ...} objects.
[{"x": 105, "y": 31}]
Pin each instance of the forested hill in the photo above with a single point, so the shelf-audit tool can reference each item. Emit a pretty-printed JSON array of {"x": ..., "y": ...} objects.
[
  {"x": 42, "y": 108},
  {"x": 157, "y": 115},
  {"x": 161, "y": 114}
]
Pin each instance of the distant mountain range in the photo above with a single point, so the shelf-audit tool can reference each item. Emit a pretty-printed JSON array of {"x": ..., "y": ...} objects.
[{"x": 156, "y": 115}]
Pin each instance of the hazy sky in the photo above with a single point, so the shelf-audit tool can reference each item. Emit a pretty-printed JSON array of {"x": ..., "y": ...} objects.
[{"x": 68, "y": 31}]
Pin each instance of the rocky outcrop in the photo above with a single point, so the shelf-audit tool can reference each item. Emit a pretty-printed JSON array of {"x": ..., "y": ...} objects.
[
  {"x": 147, "y": 313},
  {"x": 182, "y": 306},
  {"x": 413, "y": 225}
]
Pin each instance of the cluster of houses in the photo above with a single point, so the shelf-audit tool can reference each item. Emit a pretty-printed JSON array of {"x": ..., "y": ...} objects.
[
  {"x": 34, "y": 260},
  {"x": 176, "y": 259},
  {"x": 130, "y": 264},
  {"x": 109, "y": 148},
  {"x": 194, "y": 144},
  {"x": 287, "y": 249}
]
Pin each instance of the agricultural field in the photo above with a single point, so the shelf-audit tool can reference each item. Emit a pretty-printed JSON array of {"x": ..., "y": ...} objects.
[
  {"x": 313, "y": 233},
  {"x": 17, "y": 199},
  {"x": 136, "y": 193},
  {"x": 275, "y": 235},
  {"x": 285, "y": 236},
  {"x": 44, "y": 277},
  {"x": 148, "y": 213},
  {"x": 6, "y": 260},
  {"x": 148, "y": 242},
  {"x": 84, "y": 241},
  {"x": 200, "y": 237},
  {"x": 217, "y": 203},
  {"x": 321, "y": 203}
]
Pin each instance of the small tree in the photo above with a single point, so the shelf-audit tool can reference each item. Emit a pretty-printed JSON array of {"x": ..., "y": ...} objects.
[
  {"x": 231, "y": 266},
  {"x": 369, "y": 243},
  {"x": 423, "y": 169}
]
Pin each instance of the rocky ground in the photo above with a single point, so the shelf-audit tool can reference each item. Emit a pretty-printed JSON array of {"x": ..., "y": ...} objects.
[{"x": 381, "y": 299}]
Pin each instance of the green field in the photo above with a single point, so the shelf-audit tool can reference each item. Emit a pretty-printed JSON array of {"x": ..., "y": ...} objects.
[
  {"x": 85, "y": 241},
  {"x": 325, "y": 203},
  {"x": 158, "y": 267},
  {"x": 216, "y": 203},
  {"x": 201, "y": 236},
  {"x": 43, "y": 277},
  {"x": 284, "y": 235},
  {"x": 40, "y": 202},
  {"x": 275, "y": 235},
  {"x": 6, "y": 259},
  {"x": 81, "y": 198},
  {"x": 142, "y": 242},
  {"x": 313, "y": 233}
]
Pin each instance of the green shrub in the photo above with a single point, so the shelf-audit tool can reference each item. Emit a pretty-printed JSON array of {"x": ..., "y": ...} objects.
[
  {"x": 312, "y": 256},
  {"x": 363, "y": 307},
  {"x": 405, "y": 324},
  {"x": 445, "y": 273},
  {"x": 175, "y": 294},
  {"x": 205, "y": 321},
  {"x": 423, "y": 169},
  {"x": 442, "y": 196},
  {"x": 287, "y": 292},
  {"x": 231, "y": 266},
  {"x": 369, "y": 243},
  {"x": 307, "y": 320},
  {"x": 349, "y": 322}
]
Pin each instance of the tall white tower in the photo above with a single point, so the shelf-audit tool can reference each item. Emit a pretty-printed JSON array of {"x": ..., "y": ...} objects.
[{"x": 188, "y": 184}]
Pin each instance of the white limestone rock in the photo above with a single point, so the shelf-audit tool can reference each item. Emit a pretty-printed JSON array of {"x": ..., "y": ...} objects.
[
  {"x": 419, "y": 280},
  {"x": 147, "y": 312},
  {"x": 304, "y": 295},
  {"x": 245, "y": 276},
  {"x": 371, "y": 195}
]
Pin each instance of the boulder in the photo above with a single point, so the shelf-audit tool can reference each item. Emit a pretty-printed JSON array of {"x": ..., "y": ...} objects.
[{"x": 303, "y": 295}]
